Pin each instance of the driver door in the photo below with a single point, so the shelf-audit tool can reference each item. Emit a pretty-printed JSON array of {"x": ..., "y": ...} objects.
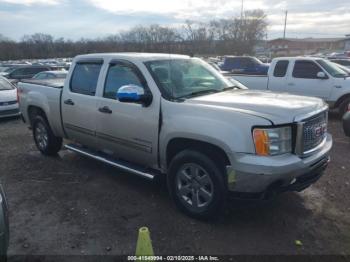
[
  {"x": 129, "y": 131},
  {"x": 304, "y": 81}
]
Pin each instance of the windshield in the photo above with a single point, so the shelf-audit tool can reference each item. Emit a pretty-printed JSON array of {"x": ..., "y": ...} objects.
[
  {"x": 332, "y": 69},
  {"x": 4, "y": 85},
  {"x": 184, "y": 78}
]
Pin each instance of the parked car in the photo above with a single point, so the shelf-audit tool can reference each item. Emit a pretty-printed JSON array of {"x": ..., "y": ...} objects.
[
  {"x": 24, "y": 72},
  {"x": 304, "y": 76},
  {"x": 50, "y": 75},
  {"x": 161, "y": 114},
  {"x": 8, "y": 99},
  {"x": 4, "y": 226},
  {"x": 244, "y": 65}
]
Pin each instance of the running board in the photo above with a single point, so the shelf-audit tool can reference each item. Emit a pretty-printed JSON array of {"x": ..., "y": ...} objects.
[{"x": 119, "y": 164}]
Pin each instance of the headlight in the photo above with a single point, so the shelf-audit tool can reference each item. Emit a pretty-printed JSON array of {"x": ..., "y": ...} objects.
[{"x": 272, "y": 141}]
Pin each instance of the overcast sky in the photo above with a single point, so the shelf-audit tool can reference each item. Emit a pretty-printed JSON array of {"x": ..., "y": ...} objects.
[{"x": 99, "y": 18}]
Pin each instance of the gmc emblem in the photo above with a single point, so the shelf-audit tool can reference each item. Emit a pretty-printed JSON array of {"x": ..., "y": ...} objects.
[{"x": 320, "y": 130}]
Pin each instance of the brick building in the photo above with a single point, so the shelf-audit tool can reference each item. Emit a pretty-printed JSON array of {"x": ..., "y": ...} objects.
[{"x": 307, "y": 46}]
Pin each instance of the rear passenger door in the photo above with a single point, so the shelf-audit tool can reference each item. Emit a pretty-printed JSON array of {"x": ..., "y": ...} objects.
[
  {"x": 279, "y": 78},
  {"x": 79, "y": 105}
]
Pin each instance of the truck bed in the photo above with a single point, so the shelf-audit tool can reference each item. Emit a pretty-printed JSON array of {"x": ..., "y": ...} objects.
[
  {"x": 258, "y": 82},
  {"x": 46, "y": 95},
  {"x": 56, "y": 83}
]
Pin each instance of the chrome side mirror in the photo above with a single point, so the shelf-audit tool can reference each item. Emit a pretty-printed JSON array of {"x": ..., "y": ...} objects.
[
  {"x": 134, "y": 94},
  {"x": 322, "y": 75}
]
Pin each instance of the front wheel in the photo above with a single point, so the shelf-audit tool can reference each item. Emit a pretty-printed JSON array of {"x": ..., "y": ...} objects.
[
  {"x": 196, "y": 184},
  {"x": 45, "y": 140},
  {"x": 344, "y": 107}
]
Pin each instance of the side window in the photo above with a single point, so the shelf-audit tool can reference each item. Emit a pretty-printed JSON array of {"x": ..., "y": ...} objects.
[
  {"x": 41, "y": 76},
  {"x": 306, "y": 69},
  {"x": 281, "y": 68},
  {"x": 85, "y": 77},
  {"x": 18, "y": 72},
  {"x": 246, "y": 63},
  {"x": 120, "y": 74}
]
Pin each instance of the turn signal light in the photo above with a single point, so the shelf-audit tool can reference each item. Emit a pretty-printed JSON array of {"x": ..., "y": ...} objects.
[{"x": 261, "y": 140}]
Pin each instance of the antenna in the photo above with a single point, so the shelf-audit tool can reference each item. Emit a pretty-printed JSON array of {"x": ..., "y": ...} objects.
[{"x": 285, "y": 25}]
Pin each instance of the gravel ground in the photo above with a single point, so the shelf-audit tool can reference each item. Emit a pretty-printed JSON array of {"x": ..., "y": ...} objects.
[{"x": 74, "y": 205}]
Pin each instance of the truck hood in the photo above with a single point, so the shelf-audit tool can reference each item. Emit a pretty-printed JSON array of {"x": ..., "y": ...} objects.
[
  {"x": 279, "y": 108},
  {"x": 8, "y": 95}
]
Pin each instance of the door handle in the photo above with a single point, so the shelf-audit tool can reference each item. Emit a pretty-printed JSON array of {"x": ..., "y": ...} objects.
[
  {"x": 69, "y": 102},
  {"x": 291, "y": 84},
  {"x": 105, "y": 110}
]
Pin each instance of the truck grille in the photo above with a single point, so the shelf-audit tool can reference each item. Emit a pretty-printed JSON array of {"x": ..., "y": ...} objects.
[{"x": 314, "y": 131}]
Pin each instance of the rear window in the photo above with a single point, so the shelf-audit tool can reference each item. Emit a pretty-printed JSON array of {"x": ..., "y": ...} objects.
[
  {"x": 281, "y": 68},
  {"x": 85, "y": 77}
]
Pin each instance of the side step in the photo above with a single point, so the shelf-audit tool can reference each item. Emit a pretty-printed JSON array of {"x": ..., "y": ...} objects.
[{"x": 116, "y": 163}]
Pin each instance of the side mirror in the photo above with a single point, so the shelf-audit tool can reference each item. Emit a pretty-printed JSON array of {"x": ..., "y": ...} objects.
[
  {"x": 322, "y": 75},
  {"x": 134, "y": 94}
]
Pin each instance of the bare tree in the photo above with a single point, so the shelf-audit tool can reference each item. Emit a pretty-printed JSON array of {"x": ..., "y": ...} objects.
[{"x": 217, "y": 37}]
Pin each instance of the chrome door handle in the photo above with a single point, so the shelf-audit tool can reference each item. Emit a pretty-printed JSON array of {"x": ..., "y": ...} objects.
[
  {"x": 105, "y": 110},
  {"x": 69, "y": 102}
]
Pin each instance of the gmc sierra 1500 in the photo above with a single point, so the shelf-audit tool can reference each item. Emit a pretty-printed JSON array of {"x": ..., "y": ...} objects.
[{"x": 157, "y": 114}]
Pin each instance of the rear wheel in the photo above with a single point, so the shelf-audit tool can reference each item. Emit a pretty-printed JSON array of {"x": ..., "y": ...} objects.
[
  {"x": 45, "y": 140},
  {"x": 196, "y": 184}
]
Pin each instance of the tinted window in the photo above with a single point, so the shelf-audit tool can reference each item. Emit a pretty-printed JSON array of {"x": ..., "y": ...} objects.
[
  {"x": 35, "y": 70},
  {"x": 120, "y": 75},
  {"x": 306, "y": 69},
  {"x": 85, "y": 77},
  {"x": 281, "y": 68},
  {"x": 246, "y": 63},
  {"x": 231, "y": 60},
  {"x": 41, "y": 76},
  {"x": 18, "y": 72}
]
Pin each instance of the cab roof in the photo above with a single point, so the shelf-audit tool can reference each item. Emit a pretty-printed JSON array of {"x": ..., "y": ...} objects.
[{"x": 142, "y": 57}]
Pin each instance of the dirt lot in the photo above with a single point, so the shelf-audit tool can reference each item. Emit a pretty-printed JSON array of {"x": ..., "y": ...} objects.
[{"x": 74, "y": 205}]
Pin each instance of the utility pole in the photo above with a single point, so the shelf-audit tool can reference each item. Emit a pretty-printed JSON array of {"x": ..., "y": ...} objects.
[
  {"x": 242, "y": 9},
  {"x": 285, "y": 25}
]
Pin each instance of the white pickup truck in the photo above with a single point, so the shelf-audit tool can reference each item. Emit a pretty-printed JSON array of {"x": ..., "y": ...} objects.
[
  {"x": 172, "y": 115},
  {"x": 306, "y": 76}
]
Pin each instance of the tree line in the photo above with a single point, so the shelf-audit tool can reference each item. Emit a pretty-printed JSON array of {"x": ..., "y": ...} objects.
[{"x": 237, "y": 35}]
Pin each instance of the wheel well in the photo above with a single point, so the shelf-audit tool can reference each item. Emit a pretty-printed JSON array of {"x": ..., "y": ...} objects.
[
  {"x": 177, "y": 145},
  {"x": 341, "y": 100},
  {"x": 34, "y": 111}
]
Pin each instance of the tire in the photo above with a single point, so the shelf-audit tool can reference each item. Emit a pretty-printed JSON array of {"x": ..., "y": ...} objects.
[
  {"x": 47, "y": 143},
  {"x": 201, "y": 196},
  {"x": 344, "y": 107}
]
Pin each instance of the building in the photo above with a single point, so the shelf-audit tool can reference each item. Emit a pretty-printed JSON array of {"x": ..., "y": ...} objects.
[{"x": 307, "y": 46}]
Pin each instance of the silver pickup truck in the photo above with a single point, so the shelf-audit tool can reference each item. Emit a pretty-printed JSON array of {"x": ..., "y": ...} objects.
[{"x": 157, "y": 114}]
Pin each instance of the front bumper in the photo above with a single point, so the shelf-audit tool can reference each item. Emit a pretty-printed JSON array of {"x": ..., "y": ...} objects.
[
  {"x": 255, "y": 174},
  {"x": 9, "y": 111}
]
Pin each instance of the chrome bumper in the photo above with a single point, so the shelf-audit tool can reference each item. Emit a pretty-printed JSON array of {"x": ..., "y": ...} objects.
[{"x": 255, "y": 174}]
